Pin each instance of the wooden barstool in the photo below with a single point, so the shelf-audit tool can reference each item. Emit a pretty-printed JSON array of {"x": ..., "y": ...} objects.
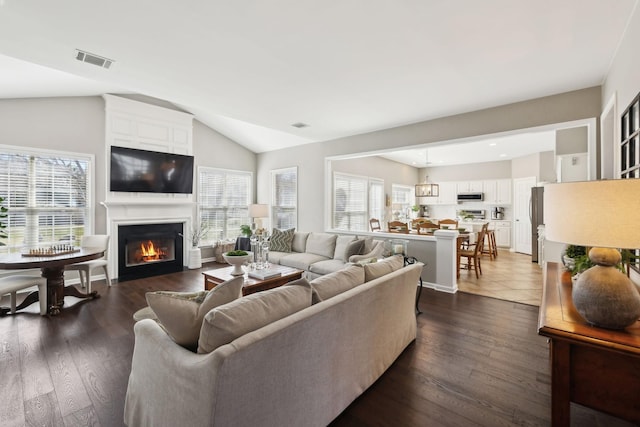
[{"x": 490, "y": 248}]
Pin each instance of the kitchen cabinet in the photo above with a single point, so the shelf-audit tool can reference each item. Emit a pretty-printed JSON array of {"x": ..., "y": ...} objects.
[
  {"x": 448, "y": 194},
  {"x": 469, "y": 187},
  {"x": 502, "y": 230},
  {"x": 497, "y": 191}
]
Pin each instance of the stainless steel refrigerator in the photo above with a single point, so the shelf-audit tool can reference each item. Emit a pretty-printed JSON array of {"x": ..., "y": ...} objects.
[{"x": 536, "y": 215}]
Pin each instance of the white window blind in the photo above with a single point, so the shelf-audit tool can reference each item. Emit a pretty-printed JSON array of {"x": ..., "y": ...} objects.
[
  {"x": 376, "y": 198},
  {"x": 284, "y": 198},
  {"x": 47, "y": 196},
  {"x": 350, "y": 199},
  {"x": 223, "y": 200}
]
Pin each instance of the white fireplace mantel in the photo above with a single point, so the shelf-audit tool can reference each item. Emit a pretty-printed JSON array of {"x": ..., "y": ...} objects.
[{"x": 152, "y": 211}]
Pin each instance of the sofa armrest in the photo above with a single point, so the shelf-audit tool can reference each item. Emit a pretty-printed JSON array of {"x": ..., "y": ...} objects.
[
  {"x": 376, "y": 252},
  {"x": 161, "y": 370}
]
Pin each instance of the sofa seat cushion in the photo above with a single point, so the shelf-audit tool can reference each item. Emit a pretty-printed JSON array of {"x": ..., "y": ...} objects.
[
  {"x": 224, "y": 324},
  {"x": 378, "y": 269},
  {"x": 323, "y": 244},
  {"x": 301, "y": 261},
  {"x": 330, "y": 285},
  {"x": 327, "y": 266},
  {"x": 181, "y": 313},
  {"x": 276, "y": 256}
]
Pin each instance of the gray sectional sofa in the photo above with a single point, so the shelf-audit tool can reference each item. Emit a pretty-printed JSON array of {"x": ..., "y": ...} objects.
[
  {"x": 318, "y": 254},
  {"x": 296, "y": 355}
]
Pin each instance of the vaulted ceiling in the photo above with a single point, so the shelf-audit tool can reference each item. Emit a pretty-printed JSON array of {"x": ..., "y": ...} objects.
[{"x": 251, "y": 69}]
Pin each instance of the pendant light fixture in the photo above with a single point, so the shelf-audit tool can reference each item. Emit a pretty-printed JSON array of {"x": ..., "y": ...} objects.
[{"x": 426, "y": 189}]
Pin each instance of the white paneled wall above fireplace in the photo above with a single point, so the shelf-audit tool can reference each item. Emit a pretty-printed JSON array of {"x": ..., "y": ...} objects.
[{"x": 135, "y": 124}]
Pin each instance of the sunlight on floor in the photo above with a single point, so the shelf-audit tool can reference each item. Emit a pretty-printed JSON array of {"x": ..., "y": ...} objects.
[{"x": 511, "y": 276}]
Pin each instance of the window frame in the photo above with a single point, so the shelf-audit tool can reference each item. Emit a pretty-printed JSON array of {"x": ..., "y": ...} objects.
[
  {"x": 207, "y": 239},
  {"x": 87, "y": 211},
  {"x": 275, "y": 208},
  {"x": 368, "y": 214}
]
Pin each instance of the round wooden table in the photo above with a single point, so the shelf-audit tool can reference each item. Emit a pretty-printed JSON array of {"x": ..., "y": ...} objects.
[{"x": 52, "y": 268}]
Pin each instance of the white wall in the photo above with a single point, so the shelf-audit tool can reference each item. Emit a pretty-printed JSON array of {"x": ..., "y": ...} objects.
[
  {"x": 310, "y": 158},
  {"x": 77, "y": 124},
  {"x": 623, "y": 77}
]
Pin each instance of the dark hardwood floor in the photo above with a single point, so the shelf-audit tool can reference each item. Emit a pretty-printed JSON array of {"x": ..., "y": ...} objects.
[{"x": 476, "y": 361}]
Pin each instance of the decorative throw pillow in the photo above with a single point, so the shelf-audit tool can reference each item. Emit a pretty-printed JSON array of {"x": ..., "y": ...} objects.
[
  {"x": 230, "y": 321},
  {"x": 385, "y": 266},
  {"x": 281, "y": 240},
  {"x": 332, "y": 284},
  {"x": 354, "y": 248},
  {"x": 342, "y": 243},
  {"x": 181, "y": 313}
]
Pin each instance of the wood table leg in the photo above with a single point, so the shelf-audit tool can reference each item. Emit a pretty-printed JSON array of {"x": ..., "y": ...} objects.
[
  {"x": 56, "y": 291},
  {"x": 560, "y": 383}
]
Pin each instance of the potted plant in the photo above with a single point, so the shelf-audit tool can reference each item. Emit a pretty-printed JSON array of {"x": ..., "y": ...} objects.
[
  {"x": 571, "y": 253},
  {"x": 246, "y": 230},
  {"x": 195, "y": 254}
]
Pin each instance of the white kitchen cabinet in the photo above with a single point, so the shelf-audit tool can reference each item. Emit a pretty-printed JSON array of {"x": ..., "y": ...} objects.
[
  {"x": 502, "y": 230},
  {"x": 448, "y": 193},
  {"x": 497, "y": 191},
  {"x": 469, "y": 187},
  {"x": 503, "y": 191}
]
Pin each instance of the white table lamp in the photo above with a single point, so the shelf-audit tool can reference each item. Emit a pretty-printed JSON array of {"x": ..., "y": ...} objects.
[
  {"x": 257, "y": 211},
  {"x": 602, "y": 215}
]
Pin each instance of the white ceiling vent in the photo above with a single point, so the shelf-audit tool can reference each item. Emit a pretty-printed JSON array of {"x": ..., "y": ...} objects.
[{"x": 91, "y": 58}]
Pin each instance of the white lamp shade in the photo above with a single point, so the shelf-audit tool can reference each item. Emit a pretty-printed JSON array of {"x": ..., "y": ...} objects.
[
  {"x": 594, "y": 213},
  {"x": 258, "y": 211}
]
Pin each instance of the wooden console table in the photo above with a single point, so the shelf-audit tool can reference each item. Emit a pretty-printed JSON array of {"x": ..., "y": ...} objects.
[{"x": 595, "y": 367}]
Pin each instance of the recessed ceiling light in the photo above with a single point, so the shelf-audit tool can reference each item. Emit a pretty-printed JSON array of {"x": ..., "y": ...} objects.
[
  {"x": 300, "y": 125},
  {"x": 493, "y": 144},
  {"x": 503, "y": 155}
]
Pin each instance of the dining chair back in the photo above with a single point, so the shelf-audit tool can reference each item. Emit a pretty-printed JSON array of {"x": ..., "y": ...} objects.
[
  {"x": 17, "y": 282},
  {"x": 450, "y": 224},
  {"x": 472, "y": 252},
  {"x": 426, "y": 227},
  {"x": 85, "y": 268},
  {"x": 398, "y": 227},
  {"x": 374, "y": 223}
]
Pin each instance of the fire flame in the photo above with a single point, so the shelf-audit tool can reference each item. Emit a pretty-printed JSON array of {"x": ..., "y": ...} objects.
[{"x": 149, "y": 251}]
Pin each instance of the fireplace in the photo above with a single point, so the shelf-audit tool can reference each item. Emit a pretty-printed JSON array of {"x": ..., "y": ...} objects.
[{"x": 146, "y": 250}]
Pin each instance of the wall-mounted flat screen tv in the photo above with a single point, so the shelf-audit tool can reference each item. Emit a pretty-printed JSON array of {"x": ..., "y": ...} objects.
[{"x": 143, "y": 171}]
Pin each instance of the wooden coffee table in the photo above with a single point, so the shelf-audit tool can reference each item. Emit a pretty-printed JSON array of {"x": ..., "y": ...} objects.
[{"x": 251, "y": 285}]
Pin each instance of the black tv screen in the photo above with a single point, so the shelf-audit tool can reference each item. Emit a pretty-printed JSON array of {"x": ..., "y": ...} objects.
[{"x": 143, "y": 171}]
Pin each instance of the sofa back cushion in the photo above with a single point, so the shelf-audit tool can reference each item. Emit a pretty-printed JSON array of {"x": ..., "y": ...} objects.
[
  {"x": 382, "y": 267},
  {"x": 281, "y": 240},
  {"x": 299, "y": 242},
  {"x": 332, "y": 284},
  {"x": 181, "y": 313},
  {"x": 321, "y": 244},
  {"x": 342, "y": 243},
  {"x": 230, "y": 321}
]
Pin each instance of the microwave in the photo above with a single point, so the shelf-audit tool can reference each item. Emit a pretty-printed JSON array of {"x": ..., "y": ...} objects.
[{"x": 470, "y": 197}]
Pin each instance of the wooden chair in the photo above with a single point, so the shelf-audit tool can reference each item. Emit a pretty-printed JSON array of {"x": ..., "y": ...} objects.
[
  {"x": 398, "y": 227},
  {"x": 450, "y": 224},
  {"x": 490, "y": 247},
  {"x": 426, "y": 227},
  {"x": 418, "y": 221},
  {"x": 472, "y": 252},
  {"x": 17, "y": 282},
  {"x": 95, "y": 241},
  {"x": 374, "y": 224}
]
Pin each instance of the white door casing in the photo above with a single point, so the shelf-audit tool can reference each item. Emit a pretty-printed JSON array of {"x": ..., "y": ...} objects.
[{"x": 522, "y": 222}]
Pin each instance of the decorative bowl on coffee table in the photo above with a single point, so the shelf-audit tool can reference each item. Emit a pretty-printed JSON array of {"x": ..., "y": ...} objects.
[{"x": 237, "y": 261}]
